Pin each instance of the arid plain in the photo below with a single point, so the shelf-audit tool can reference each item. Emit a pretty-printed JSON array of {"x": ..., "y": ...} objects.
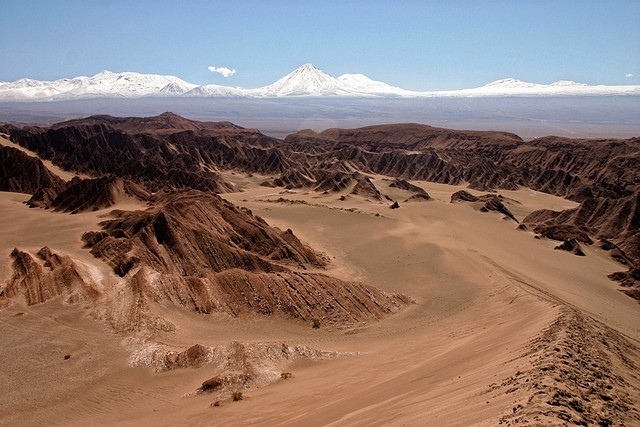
[{"x": 442, "y": 311}]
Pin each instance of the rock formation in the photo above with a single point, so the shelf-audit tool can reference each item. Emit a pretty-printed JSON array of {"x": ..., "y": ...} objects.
[
  {"x": 21, "y": 173},
  {"x": 487, "y": 202},
  {"x": 418, "y": 193},
  {"x": 601, "y": 174},
  {"x": 169, "y": 152},
  {"x": 49, "y": 276},
  {"x": 161, "y": 152},
  {"x": 82, "y": 195},
  {"x": 202, "y": 253}
]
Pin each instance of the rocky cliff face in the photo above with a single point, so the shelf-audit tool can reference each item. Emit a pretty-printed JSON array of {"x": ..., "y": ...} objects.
[
  {"x": 48, "y": 275},
  {"x": 487, "y": 160}
]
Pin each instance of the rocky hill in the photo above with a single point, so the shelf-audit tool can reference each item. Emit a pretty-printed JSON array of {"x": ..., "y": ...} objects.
[
  {"x": 161, "y": 152},
  {"x": 169, "y": 152},
  {"x": 83, "y": 195},
  {"x": 602, "y": 174},
  {"x": 199, "y": 253},
  {"x": 22, "y": 173}
]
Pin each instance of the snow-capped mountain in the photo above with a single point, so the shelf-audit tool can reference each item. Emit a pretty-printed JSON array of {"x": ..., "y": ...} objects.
[
  {"x": 510, "y": 83},
  {"x": 363, "y": 84},
  {"x": 305, "y": 81},
  {"x": 515, "y": 87},
  {"x": 216, "y": 91},
  {"x": 103, "y": 84}
]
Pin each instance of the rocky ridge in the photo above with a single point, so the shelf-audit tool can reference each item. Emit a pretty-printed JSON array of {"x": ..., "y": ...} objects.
[
  {"x": 21, "y": 173},
  {"x": 199, "y": 253},
  {"x": 169, "y": 152},
  {"x": 83, "y": 195},
  {"x": 581, "y": 372},
  {"x": 601, "y": 174}
]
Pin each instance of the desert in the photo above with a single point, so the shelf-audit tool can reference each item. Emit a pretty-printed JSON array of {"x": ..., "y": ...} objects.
[{"x": 166, "y": 271}]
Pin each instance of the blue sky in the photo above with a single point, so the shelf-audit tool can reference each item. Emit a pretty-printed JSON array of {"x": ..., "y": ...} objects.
[{"x": 418, "y": 45}]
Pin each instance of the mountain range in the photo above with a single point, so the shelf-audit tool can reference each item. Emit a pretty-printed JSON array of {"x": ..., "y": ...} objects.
[{"x": 305, "y": 81}]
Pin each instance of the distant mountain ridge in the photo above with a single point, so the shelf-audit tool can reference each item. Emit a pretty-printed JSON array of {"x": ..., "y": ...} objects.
[{"x": 305, "y": 81}]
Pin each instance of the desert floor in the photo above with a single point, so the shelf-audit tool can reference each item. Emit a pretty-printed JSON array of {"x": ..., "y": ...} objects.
[{"x": 486, "y": 297}]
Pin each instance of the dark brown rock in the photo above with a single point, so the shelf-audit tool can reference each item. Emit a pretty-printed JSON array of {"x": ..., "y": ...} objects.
[
  {"x": 82, "y": 195},
  {"x": 572, "y": 246},
  {"x": 21, "y": 173},
  {"x": 486, "y": 202},
  {"x": 214, "y": 257}
]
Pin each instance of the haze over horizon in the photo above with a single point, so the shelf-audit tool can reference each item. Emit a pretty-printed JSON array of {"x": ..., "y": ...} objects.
[{"x": 420, "y": 46}]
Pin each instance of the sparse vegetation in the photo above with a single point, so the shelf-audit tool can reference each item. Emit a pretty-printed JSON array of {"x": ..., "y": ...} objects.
[
  {"x": 237, "y": 396},
  {"x": 286, "y": 375},
  {"x": 315, "y": 323}
]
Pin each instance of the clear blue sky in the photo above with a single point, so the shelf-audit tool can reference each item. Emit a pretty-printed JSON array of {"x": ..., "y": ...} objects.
[{"x": 418, "y": 45}]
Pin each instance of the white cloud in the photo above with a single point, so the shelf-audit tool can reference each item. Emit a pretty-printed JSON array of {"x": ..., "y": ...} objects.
[
  {"x": 223, "y": 71},
  {"x": 628, "y": 75}
]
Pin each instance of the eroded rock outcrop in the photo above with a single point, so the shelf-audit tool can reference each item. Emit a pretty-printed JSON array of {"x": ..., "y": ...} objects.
[
  {"x": 170, "y": 152},
  {"x": 48, "y": 275},
  {"x": 84, "y": 195},
  {"x": 202, "y": 253},
  {"x": 571, "y": 246},
  {"x": 165, "y": 151},
  {"x": 22, "y": 173},
  {"x": 486, "y": 202},
  {"x": 418, "y": 194},
  {"x": 602, "y": 174},
  {"x": 192, "y": 233},
  {"x": 617, "y": 220}
]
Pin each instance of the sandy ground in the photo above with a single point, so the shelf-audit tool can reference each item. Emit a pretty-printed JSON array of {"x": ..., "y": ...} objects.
[{"x": 483, "y": 290}]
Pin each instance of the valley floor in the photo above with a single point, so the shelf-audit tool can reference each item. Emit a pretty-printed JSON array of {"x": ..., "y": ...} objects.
[{"x": 504, "y": 328}]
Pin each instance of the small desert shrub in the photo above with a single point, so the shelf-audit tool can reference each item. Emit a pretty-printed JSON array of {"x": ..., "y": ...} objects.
[
  {"x": 315, "y": 323},
  {"x": 286, "y": 375},
  {"x": 236, "y": 396}
]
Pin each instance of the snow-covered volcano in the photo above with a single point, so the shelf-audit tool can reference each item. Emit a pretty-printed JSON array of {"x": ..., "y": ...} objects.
[
  {"x": 309, "y": 80},
  {"x": 305, "y": 81}
]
